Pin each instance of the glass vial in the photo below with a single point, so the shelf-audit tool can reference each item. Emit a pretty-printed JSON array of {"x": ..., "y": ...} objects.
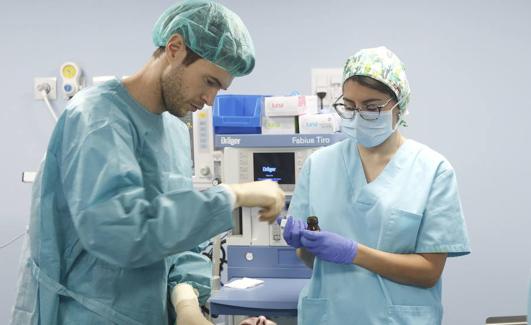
[{"x": 313, "y": 223}]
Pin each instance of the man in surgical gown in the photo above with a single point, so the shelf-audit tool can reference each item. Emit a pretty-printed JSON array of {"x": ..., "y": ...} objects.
[
  {"x": 115, "y": 223},
  {"x": 388, "y": 210}
]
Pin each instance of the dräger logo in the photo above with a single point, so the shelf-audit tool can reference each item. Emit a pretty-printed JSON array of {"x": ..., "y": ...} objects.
[
  {"x": 267, "y": 169},
  {"x": 230, "y": 140}
]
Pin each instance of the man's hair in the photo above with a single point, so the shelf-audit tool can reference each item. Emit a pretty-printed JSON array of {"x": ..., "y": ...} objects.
[{"x": 190, "y": 58}]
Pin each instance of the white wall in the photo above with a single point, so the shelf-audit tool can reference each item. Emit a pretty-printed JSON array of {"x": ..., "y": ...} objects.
[{"x": 468, "y": 65}]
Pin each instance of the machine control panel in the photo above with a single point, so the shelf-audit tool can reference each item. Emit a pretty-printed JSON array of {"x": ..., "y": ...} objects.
[{"x": 281, "y": 165}]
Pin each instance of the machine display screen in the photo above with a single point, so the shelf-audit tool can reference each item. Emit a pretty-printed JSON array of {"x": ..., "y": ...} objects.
[{"x": 276, "y": 166}]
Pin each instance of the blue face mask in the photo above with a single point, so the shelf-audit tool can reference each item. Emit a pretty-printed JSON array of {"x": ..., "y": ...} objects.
[{"x": 370, "y": 133}]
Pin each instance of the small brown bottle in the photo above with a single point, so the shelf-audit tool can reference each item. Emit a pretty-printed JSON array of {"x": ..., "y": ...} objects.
[{"x": 313, "y": 223}]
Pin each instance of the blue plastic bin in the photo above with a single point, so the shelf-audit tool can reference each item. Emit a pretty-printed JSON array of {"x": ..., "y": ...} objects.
[{"x": 237, "y": 114}]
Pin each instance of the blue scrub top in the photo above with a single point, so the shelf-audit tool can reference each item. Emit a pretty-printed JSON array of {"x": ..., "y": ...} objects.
[
  {"x": 413, "y": 206},
  {"x": 115, "y": 221}
]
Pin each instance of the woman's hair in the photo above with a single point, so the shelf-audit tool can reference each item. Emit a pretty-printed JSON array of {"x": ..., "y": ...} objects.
[
  {"x": 373, "y": 84},
  {"x": 190, "y": 58}
]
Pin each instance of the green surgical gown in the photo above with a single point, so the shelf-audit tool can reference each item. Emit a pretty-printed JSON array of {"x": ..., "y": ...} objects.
[{"x": 115, "y": 222}]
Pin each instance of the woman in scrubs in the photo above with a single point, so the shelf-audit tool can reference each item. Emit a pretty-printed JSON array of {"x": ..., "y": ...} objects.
[{"x": 388, "y": 209}]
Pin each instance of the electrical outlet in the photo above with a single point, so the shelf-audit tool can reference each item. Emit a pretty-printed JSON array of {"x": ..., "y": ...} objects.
[
  {"x": 28, "y": 177},
  {"x": 45, "y": 83}
]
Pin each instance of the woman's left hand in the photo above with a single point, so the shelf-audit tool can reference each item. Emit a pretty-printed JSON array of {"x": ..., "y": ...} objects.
[
  {"x": 292, "y": 231},
  {"x": 329, "y": 246}
]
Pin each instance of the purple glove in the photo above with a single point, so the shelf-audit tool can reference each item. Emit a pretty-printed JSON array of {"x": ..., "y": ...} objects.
[
  {"x": 292, "y": 231},
  {"x": 329, "y": 246}
]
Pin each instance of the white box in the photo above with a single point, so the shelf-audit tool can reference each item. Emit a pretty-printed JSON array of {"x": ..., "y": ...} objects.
[
  {"x": 279, "y": 124},
  {"x": 290, "y": 105},
  {"x": 319, "y": 123}
]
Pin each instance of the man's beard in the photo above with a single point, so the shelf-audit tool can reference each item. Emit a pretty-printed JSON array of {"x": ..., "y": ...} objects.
[{"x": 172, "y": 93}]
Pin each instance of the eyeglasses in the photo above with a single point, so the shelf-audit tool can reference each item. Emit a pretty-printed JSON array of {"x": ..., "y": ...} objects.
[{"x": 367, "y": 112}]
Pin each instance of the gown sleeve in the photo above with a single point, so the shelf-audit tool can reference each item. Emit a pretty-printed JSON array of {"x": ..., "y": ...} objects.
[
  {"x": 443, "y": 228},
  {"x": 107, "y": 202},
  {"x": 193, "y": 268},
  {"x": 299, "y": 206}
]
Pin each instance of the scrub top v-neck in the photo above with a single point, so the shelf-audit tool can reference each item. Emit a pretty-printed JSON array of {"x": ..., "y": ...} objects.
[{"x": 412, "y": 206}]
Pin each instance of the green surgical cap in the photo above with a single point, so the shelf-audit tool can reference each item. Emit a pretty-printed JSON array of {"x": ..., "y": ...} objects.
[
  {"x": 383, "y": 65},
  {"x": 212, "y": 31}
]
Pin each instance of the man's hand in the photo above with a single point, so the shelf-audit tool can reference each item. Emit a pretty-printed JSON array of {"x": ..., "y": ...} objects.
[
  {"x": 264, "y": 194},
  {"x": 186, "y": 306}
]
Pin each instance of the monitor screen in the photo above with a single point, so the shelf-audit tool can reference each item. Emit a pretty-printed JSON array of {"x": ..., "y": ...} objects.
[{"x": 275, "y": 166}]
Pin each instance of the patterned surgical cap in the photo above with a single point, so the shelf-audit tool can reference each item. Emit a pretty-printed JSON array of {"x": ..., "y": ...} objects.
[{"x": 383, "y": 65}]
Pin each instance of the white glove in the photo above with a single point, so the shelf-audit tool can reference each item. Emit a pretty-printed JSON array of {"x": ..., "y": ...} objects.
[
  {"x": 264, "y": 194},
  {"x": 184, "y": 300}
]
